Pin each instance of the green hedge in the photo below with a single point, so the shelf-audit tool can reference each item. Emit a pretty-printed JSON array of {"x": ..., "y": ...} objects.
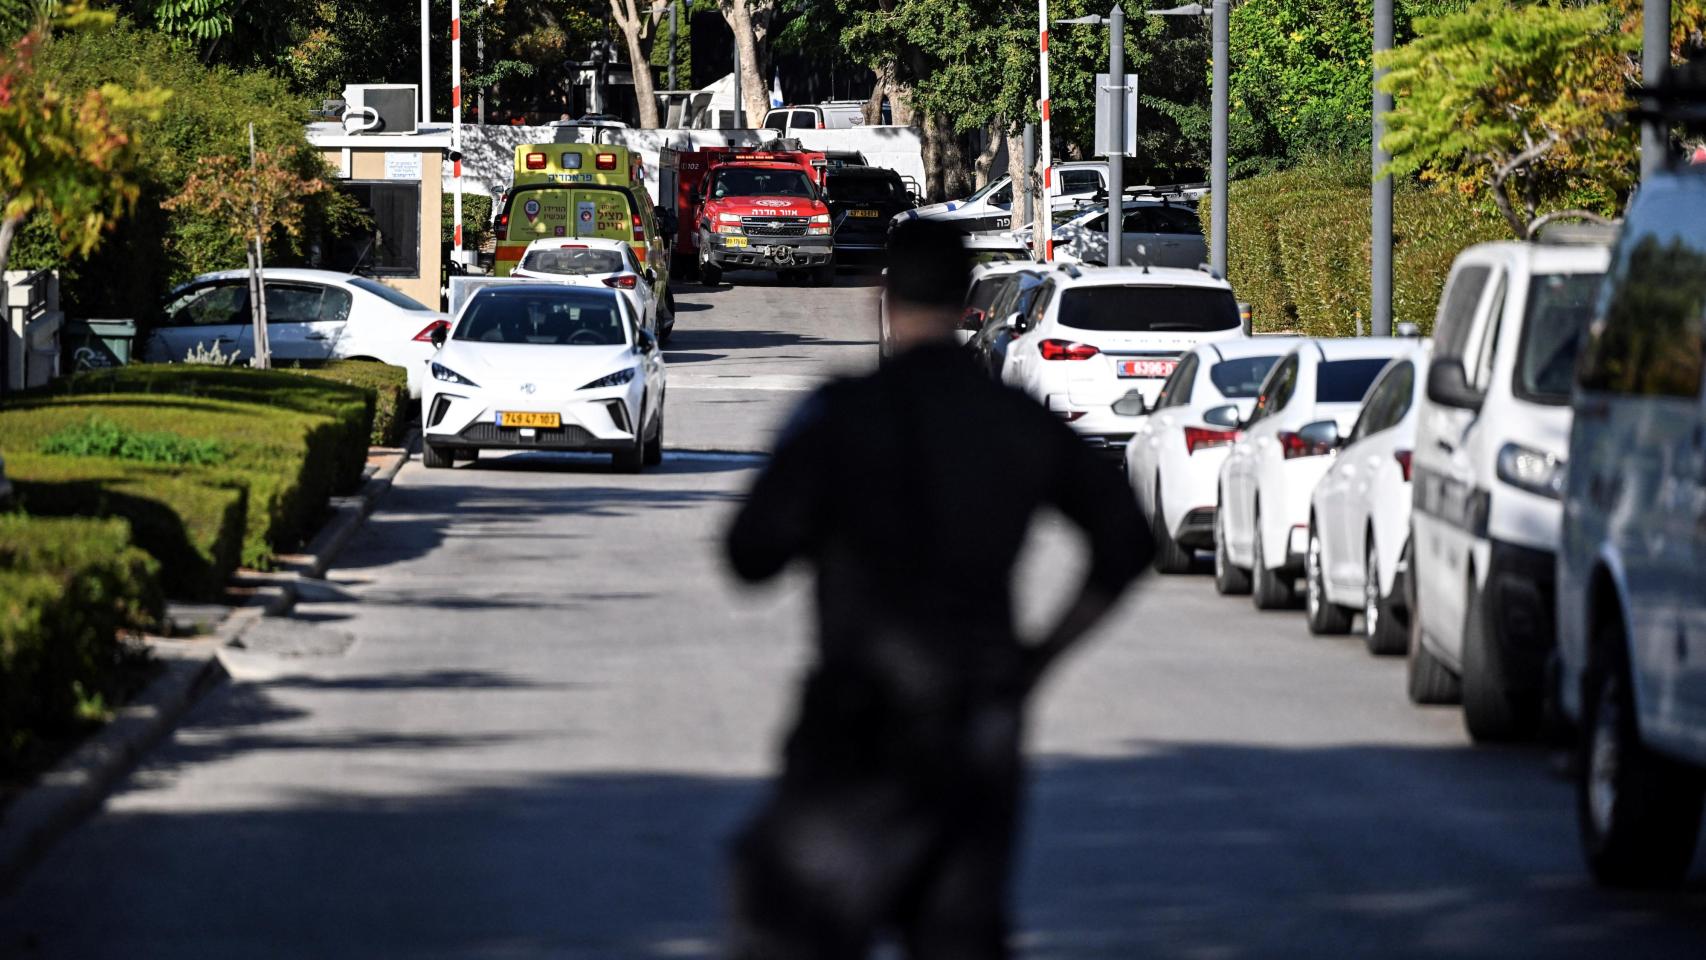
[
  {"x": 67, "y": 590},
  {"x": 390, "y": 385},
  {"x": 1298, "y": 247}
]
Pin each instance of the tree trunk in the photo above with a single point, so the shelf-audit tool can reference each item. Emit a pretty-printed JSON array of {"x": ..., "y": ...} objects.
[
  {"x": 749, "y": 20},
  {"x": 1015, "y": 135},
  {"x": 879, "y": 88},
  {"x": 983, "y": 168},
  {"x": 633, "y": 24}
]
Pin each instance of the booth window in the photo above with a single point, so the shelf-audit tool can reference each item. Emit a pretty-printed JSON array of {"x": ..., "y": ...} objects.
[{"x": 391, "y": 245}]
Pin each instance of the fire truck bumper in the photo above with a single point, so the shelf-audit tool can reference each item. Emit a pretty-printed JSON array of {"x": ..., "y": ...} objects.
[{"x": 766, "y": 254}]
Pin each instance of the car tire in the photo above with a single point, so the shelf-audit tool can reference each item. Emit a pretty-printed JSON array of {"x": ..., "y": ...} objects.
[
  {"x": 435, "y": 457},
  {"x": 710, "y": 275},
  {"x": 1325, "y": 617},
  {"x": 1427, "y": 680},
  {"x": 466, "y": 454},
  {"x": 1638, "y": 812},
  {"x": 1382, "y": 631},
  {"x": 653, "y": 453},
  {"x": 1269, "y": 590},
  {"x": 632, "y": 457},
  {"x": 1229, "y": 580},
  {"x": 1492, "y": 711},
  {"x": 1169, "y": 556}
]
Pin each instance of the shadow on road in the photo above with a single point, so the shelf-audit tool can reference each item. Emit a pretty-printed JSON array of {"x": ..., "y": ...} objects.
[
  {"x": 750, "y": 340},
  {"x": 1207, "y": 850}
]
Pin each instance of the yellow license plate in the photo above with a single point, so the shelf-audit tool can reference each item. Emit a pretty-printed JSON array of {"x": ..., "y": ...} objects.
[
  {"x": 512, "y": 418},
  {"x": 735, "y": 242},
  {"x": 862, "y": 213}
]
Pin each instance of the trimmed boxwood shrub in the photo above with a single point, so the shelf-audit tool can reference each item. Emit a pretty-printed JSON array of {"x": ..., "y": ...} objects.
[
  {"x": 390, "y": 385},
  {"x": 68, "y": 587},
  {"x": 194, "y": 528},
  {"x": 1298, "y": 247}
]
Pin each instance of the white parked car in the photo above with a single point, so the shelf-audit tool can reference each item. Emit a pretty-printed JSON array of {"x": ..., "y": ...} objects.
[
  {"x": 312, "y": 316},
  {"x": 594, "y": 262},
  {"x": 1359, "y": 515},
  {"x": 1155, "y": 231},
  {"x": 536, "y": 366},
  {"x": 1098, "y": 335},
  {"x": 1491, "y": 441},
  {"x": 991, "y": 207},
  {"x": 1309, "y": 400},
  {"x": 987, "y": 280},
  {"x": 1173, "y": 458},
  {"x": 1632, "y": 559}
]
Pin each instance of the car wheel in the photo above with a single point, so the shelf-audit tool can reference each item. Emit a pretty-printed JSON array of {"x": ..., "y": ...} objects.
[
  {"x": 1325, "y": 617},
  {"x": 709, "y": 273},
  {"x": 435, "y": 457},
  {"x": 1381, "y": 629},
  {"x": 654, "y": 447},
  {"x": 1493, "y": 711},
  {"x": 669, "y": 304},
  {"x": 1169, "y": 556},
  {"x": 1428, "y": 680},
  {"x": 1638, "y": 812},
  {"x": 1229, "y": 580},
  {"x": 632, "y": 457},
  {"x": 1270, "y": 590},
  {"x": 469, "y": 454}
]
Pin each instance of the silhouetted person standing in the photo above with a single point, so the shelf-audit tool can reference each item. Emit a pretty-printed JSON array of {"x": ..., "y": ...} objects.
[{"x": 910, "y": 491}]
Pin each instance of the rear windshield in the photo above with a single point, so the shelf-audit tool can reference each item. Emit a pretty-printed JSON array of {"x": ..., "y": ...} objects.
[
  {"x": 753, "y": 181},
  {"x": 865, "y": 189},
  {"x": 1559, "y": 306},
  {"x": 1242, "y": 377},
  {"x": 387, "y": 294},
  {"x": 1346, "y": 381},
  {"x": 558, "y": 316},
  {"x": 572, "y": 262},
  {"x": 1149, "y": 309}
]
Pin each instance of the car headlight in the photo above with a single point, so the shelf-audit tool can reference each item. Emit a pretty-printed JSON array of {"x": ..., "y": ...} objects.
[
  {"x": 727, "y": 228},
  {"x": 613, "y": 380},
  {"x": 1539, "y": 473},
  {"x": 821, "y": 218},
  {"x": 728, "y": 218},
  {"x": 442, "y": 372}
]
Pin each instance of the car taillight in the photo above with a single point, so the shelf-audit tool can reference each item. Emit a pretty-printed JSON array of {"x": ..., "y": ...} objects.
[
  {"x": 1403, "y": 458},
  {"x": 503, "y": 223},
  {"x": 536, "y": 161},
  {"x": 625, "y": 281},
  {"x": 1198, "y": 438},
  {"x": 639, "y": 230},
  {"x": 972, "y": 319},
  {"x": 425, "y": 336},
  {"x": 1295, "y": 445},
  {"x": 606, "y": 161},
  {"x": 1066, "y": 350}
]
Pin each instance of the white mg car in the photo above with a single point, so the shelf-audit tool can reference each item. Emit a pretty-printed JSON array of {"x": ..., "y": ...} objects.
[
  {"x": 1309, "y": 400},
  {"x": 1095, "y": 336},
  {"x": 535, "y": 366},
  {"x": 1173, "y": 458}
]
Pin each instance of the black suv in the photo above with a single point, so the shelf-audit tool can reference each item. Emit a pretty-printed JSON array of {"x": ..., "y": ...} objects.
[{"x": 862, "y": 200}]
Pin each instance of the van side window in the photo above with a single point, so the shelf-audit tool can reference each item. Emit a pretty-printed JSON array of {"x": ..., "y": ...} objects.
[
  {"x": 1486, "y": 351},
  {"x": 1457, "y": 311},
  {"x": 1073, "y": 182},
  {"x": 1650, "y": 341}
]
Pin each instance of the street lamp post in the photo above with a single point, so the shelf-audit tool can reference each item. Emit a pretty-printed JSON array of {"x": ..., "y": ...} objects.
[
  {"x": 1220, "y": 11},
  {"x": 1116, "y": 134},
  {"x": 1655, "y": 58},
  {"x": 1380, "y": 247}
]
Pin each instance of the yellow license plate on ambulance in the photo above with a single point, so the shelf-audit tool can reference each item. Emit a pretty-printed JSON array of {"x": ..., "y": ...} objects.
[
  {"x": 514, "y": 418},
  {"x": 735, "y": 242}
]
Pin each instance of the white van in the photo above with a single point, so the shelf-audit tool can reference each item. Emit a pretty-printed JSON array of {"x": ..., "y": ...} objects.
[{"x": 1488, "y": 471}]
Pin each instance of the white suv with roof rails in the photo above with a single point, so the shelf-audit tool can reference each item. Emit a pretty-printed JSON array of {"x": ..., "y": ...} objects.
[
  {"x": 1101, "y": 335},
  {"x": 1492, "y": 434}
]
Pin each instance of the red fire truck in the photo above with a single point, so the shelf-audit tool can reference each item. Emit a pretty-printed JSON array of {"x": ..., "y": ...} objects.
[{"x": 739, "y": 208}]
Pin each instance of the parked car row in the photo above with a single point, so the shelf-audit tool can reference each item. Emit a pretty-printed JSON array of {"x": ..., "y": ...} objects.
[{"x": 1517, "y": 504}]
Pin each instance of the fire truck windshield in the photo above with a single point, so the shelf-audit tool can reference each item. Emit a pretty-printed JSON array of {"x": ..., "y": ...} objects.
[{"x": 758, "y": 181}]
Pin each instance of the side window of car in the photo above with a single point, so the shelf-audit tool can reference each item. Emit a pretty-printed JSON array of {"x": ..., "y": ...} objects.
[
  {"x": 1281, "y": 381},
  {"x": 1177, "y": 220},
  {"x": 1073, "y": 182},
  {"x": 1039, "y": 306},
  {"x": 1003, "y": 195},
  {"x": 293, "y": 303},
  {"x": 1651, "y": 339},
  {"x": 220, "y": 303},
  {"x": 1388, "y": 400},
  {"x": 805, "y": 120},
  {"x": 335, "y": 305},
  {"x": 1187, "y": 372},
  {"x": 1285, "y": 385},
  {"x": 1171, "y": 388},
  {"x": 1139, "y": 220}
]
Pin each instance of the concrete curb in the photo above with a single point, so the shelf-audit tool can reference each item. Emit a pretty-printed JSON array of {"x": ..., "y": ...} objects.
[{"x": 81, "y": 781}]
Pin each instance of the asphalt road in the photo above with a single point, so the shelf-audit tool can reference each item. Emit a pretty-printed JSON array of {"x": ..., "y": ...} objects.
[{"x": 528, "y": 707}]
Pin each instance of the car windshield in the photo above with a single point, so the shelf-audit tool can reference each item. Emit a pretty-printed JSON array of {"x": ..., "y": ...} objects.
[
  {"x": 387, "y": 294},
  {"x": 1142, "y": 308},
  {"x": 1346, "y": 381},
  {"x": 760, "y": 181},
  {"x": 1242, "y": 377},
  {"x": 986, "y": 190},
  {"x": 573, "y": 261},
  {"x": 1559, "y": 305},
  {"x": 558, "y": 316},
  {"x": 865, "y": 189}
]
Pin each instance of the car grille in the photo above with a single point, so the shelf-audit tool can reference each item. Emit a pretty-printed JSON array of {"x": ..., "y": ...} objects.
[
  {"x": 774, "y": 226},
  {"x": 488, "y": 432}
]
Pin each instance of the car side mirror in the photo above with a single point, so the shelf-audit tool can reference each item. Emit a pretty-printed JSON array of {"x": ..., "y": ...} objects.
[
  {"x": 1321, "y": 435},
  {"x": 651, "y": 275},
  {"x": 1131, "y": 405},
  {"x": 645, "y": 343},
  {"x": 440, "y": 333},
  {"x": 1448, "y": 386},
  {"x": 1224, "y": 416}
]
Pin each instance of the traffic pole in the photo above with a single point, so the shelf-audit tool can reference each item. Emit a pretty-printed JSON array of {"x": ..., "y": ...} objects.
[
  {"x": 1044, "y": 231},
  {"x": 1217, "y": 151},
  {"x": 1380, "y": 259},
  {"x": 456, "y": 124},
  {"x": 1655, "y": 59},
  {"x": 1116, "y": 137},
  {"x": 426, "y": 61}
]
